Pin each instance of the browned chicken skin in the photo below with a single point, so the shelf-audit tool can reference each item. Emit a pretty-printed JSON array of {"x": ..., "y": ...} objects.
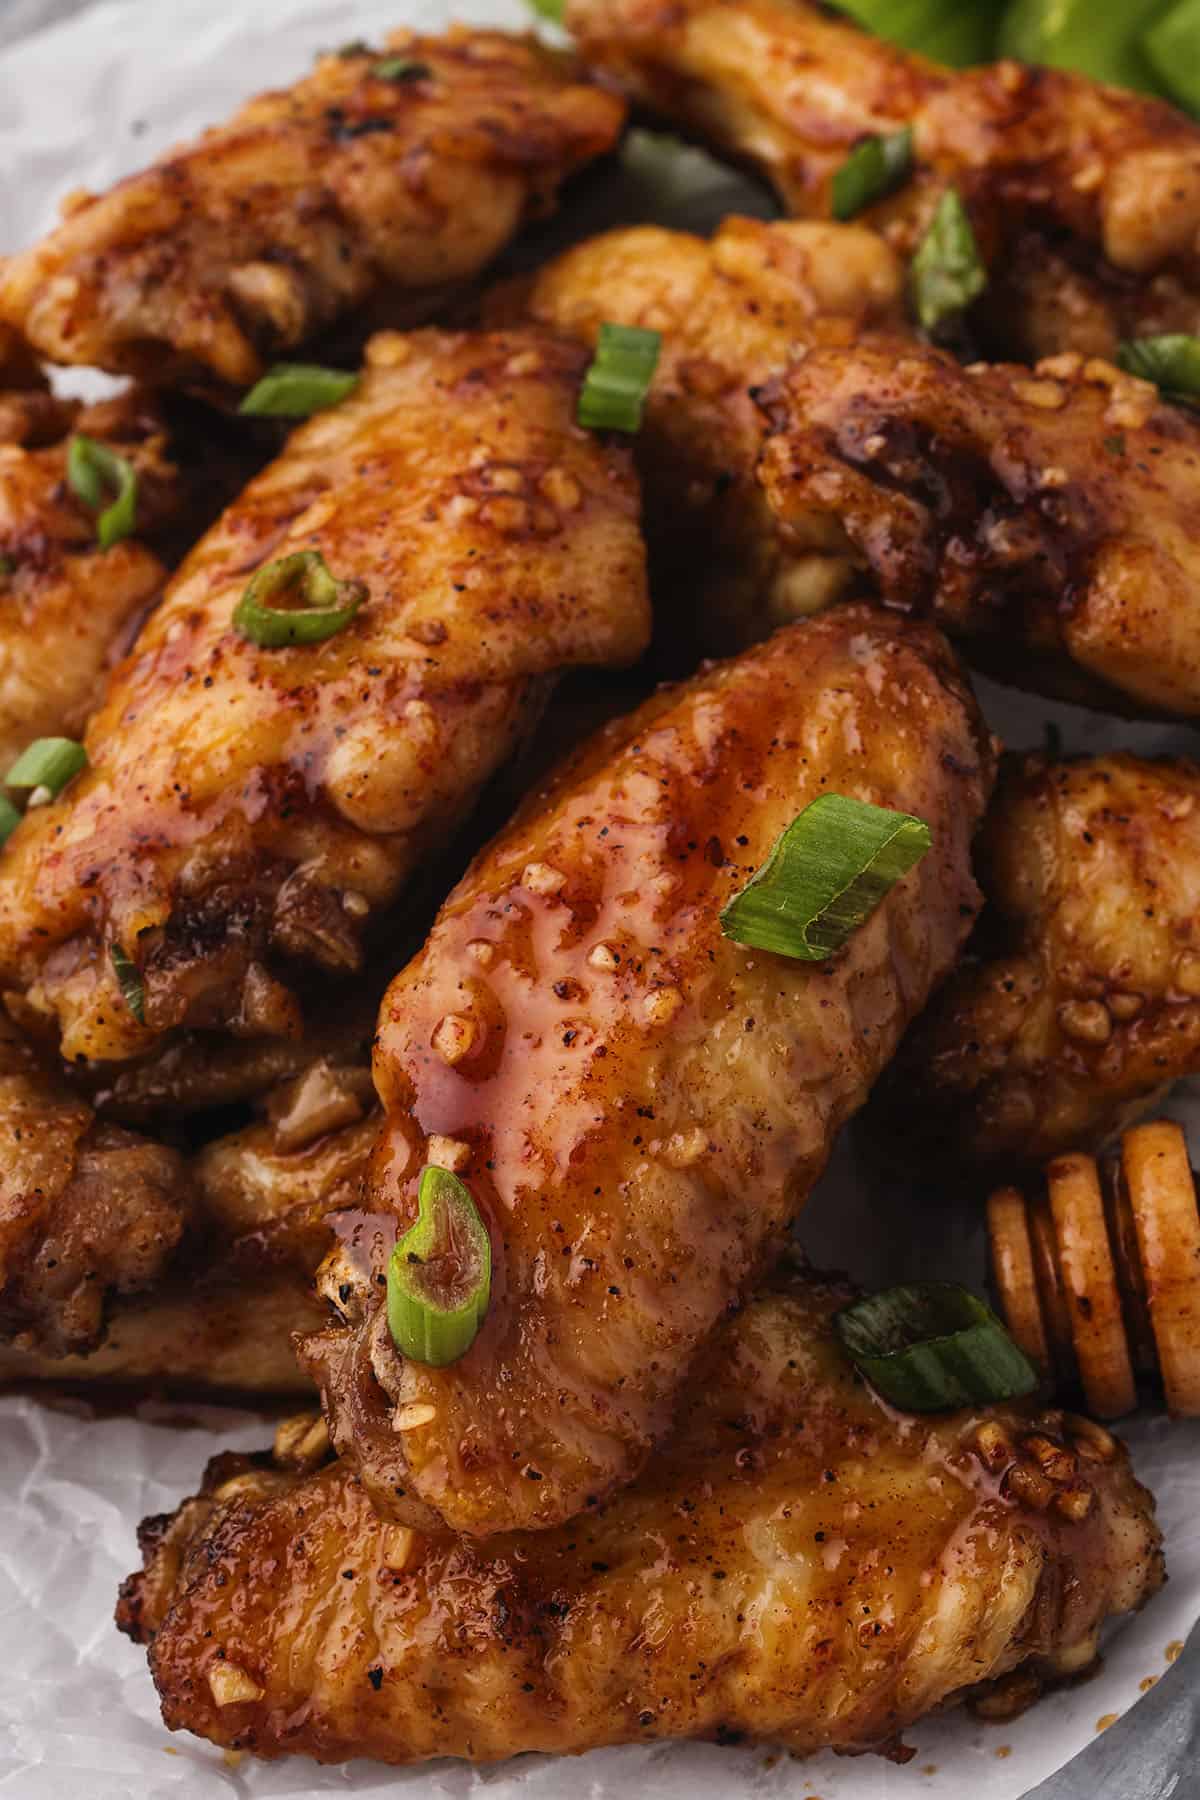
[
  {"x": 87, "y": 1210},
  {"x": 1083, "y": 1003},
  {"x": 733, "y": 311},
  {"x": 1051, "y": 165},
  {"x": 638, "y": 1104},
  {"x": 65, "y": 604},
  {"x": 1046, "y": 516},
  {"x": 800, "y": 1565},
  {"x": 310, "y": 202},
  {"x": 248, "y": 810}
]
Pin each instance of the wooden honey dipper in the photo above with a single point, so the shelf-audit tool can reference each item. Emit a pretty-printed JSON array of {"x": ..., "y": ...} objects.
[{"x": 1099, "y": 1275}]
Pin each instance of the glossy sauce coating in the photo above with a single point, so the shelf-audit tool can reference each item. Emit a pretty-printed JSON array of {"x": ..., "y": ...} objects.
[
  {"x": 313, "y": 200},
  {"x": 1078, "y": 190},
  {"x": 638, "y": 1104},
  {"x": 733, "y": 311},
  {"x": 249, "y": 810},
  {"x": 800, "y": 1566},
  {"x": 1046, "y": 515},
  {"x": 1081, "y": 1004}
]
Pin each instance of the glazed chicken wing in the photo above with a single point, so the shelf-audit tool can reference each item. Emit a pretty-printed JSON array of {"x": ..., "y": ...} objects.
[
  {"x": 1046, "y": 516},
  {"x": 249, "y": 809},
  {"x": 1049, "y": 163},
  {"x": 733, "y": 311},
  {"x": 66, "y": 604},
  {"x": 638, "y": 1104},
  {"x": 1082, "y": 1003},
  {"x": 399, "y": 172},
  {"x": 800, "y": 1565}
]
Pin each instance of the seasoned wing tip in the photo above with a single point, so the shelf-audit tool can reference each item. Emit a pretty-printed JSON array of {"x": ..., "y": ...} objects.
[
  {"x": 310, "y": 202},
  {"x": 638, "y": 1104},
  {"x": 1045, "y": 515},
  {"x": 1103, "y": 182},
  {"x": 1082, "y": 1003},
  {"x": 251, "y": 810},
  {"x": 799, "y": 1565},
  {"x": 733, "y": 311}
]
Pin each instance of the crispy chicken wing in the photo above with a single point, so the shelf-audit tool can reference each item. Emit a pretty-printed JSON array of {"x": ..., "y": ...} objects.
[
  {"x": 800, "y": 1565},
  {"x": 733, "y": 311},
  {"x": 313, "y": 200},
  {"x": 640, "y": 1105},
  {"x": 1047, "y": 517},
  {"x": 249, "y": 810},
  {"x": 1047, "y": 161},
  {"x": 87, "y": 1209},
  {"x": 1081, "y": 1003},
  {"x": 66, "y": 605}
]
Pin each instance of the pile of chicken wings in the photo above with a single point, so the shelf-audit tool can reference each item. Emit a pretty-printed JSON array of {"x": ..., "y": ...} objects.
[{"x": 442, "y": 887}]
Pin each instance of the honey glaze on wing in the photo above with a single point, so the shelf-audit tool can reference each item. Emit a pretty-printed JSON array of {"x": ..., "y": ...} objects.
[{"x": 638, "y": 1104}]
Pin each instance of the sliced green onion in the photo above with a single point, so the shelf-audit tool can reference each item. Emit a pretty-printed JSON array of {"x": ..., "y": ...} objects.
[
  {"x": 356, "y": 47},
  {"x": 933, "y": 1347},
  {"x": 401, "y": 68},
  {"x": 1172, "y": 47},
  {"x": 129, "y": 980},
  {"x": 296, "y": 390},
  {"x": 550, "y": 9},
  {"x": 1171, "y": 362},
  {"x": 614, "y": 391},
  {"x": 873, "y": 168},
  {"x": 824, "y": 878},
  {"x": 329, "y": 605},
  {"x": 439, "y": 1278},
  {"x": 45, "y": 767},
  {"x": 1104, "y": 42},
  {"x": 947, "y": 270},
  {"x": 92, "y": 469},
  {"x": 10, "y": 818}
]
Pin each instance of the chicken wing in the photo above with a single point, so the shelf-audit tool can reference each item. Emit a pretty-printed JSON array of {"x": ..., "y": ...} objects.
[
  {"x": 800, "y": 1565},
  {"x": 1047, "y": 517},
  {"x": 1081, "y": 1002},
  {"x": 639, "y": 1105},
  {"x": 65, "y": 604},
  {"x": 1106, "y": 179},
  {"x": 732, "y": 311},
  {"x": 249, "y": 809},
  {"x": 404, "y": 171}
]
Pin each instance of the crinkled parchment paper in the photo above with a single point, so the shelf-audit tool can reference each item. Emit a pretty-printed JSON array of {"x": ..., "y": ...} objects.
[{"x": 80, "y": 105}]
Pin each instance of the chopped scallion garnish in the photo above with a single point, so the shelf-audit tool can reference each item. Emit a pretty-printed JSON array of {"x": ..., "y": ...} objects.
[
  {"x": 1171, "y": 362},
  {"x": 129, "y": 980},
  {"x": 550, "y": 9},
  {"x": 328, "y": 604},
  {"x": 824, "y": 877},
  {"x": 45, "y": 767},
  {"x": 933, "y": 1347},
  {"x": 93, "y": 472},
  {"x": 296, "y": 390},
  {"x": 401, "y": 68},
  {"x": 614, "y": 391},
  {"x": 439, "y": 1277},
  {"x": 10, "y": 818},
  {"x": 873, "y": 169},
  {"x": 948, "y": 272}
]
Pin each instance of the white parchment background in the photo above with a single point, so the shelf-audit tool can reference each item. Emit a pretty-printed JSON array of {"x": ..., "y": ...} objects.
[{"x": 80, "y": 105}]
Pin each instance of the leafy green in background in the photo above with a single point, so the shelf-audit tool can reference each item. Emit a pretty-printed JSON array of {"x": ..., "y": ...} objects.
[{"x": 1153, "y": 45}]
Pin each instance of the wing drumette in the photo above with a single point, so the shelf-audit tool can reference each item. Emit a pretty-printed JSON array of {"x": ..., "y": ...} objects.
[
  {"x": 638, "y": 1104},
  {"x": 404, "y": 170},
  {"x": 1081, "y": 194},
  {"x": 733, "y": 312},
  {"x": 248, "y": 808},
  {"x": 1082, "y": 1003},
  {"x": 1046, "y": 516},
  {"x": 800, "y": 1565}
]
